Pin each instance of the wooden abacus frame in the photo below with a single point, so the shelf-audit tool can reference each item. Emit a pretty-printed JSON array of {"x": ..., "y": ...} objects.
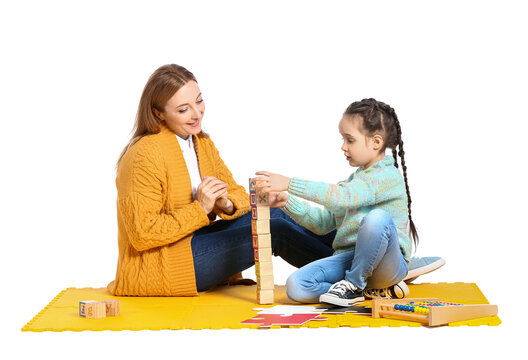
[{"x": 438, "y": 315}]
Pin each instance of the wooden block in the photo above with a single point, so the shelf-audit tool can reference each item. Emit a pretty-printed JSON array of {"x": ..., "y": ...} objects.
[
  {"x": 265, "y": 296},
  {"x": 260, "y": 212},
  {"x": 262, "y": 241},
  {"x": 262, "y": 254},
  {"x": 262, "y": 199},
  {"x": 112, "y": 307},
  {"x": 264, "y": 268},
  {"x": 92, "y": 309},
  {"x": 252, "y": 185},
  {"x": 260, "y": 227},
  {"x": 253, "y": 199},
  {"x": 265, "y": 282}
]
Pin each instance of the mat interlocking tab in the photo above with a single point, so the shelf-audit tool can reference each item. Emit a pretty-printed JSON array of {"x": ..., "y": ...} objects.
[{"x": 223, "y": 308}]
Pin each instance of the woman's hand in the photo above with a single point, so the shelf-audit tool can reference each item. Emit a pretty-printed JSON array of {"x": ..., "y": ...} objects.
[
  {"x": 270, "y": 182},
  {"x": 209, "y": 191},
  {"x": 278, "y": 199},
  {"x": 224, "y": 204}
]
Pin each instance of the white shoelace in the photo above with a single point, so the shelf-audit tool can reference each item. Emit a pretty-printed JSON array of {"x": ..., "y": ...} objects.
[{"x": 342, "y": 286}]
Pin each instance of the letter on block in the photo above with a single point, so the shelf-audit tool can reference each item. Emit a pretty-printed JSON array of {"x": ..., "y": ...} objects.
[
  {"x": 262, "y": 199},
  {"x": 252, "y": 185},
  {"x": 112, "y": 307}
]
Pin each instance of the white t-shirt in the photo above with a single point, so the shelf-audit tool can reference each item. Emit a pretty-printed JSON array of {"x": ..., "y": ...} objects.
[{"x": 189, "y": 154}]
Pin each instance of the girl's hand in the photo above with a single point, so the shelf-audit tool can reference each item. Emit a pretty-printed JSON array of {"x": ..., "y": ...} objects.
[
  {"x": 270, "y": 182},
  {"x": 278, "y": 199},
  {"x": 209, "y": 191}
]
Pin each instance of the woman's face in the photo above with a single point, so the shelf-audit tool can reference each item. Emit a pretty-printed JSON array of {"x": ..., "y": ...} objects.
[{"x": 184, "y": 111}]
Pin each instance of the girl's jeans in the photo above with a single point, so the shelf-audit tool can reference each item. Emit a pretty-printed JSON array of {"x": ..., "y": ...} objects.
[
  {"x": 226, "y": 247},
  {"x": 376, "y": 262}
]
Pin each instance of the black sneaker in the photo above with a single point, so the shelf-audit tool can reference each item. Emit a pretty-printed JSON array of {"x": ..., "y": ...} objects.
[{"x": 342, "y": 293}]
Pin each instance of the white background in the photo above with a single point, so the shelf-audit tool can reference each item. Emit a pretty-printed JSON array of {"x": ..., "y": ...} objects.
[{"x": 276, "y": 76}]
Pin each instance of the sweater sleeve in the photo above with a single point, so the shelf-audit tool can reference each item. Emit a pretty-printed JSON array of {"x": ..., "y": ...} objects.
[
  {"x": 236, "y": 193},
  {"x": 141, "y": 206},
  {"x": 352, "y": 194},
  {"x": 319, "y": 221}
]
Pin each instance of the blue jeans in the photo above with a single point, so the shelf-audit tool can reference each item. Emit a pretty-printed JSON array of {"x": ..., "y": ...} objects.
[
  {"x": 226, "y": 247},
  {"x": 375, "y": 262}
]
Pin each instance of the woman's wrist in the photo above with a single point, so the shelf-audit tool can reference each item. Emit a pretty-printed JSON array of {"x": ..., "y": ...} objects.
[{"x": 227, "y": 207}]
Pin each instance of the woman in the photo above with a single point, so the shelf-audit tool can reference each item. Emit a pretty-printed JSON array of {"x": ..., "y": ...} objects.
[{"x": 171, "y": 185}]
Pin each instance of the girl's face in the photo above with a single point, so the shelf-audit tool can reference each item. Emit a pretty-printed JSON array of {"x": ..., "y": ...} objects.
[
  {"x": 360, "y": 150},
  {"x": 184, "y": 111}
]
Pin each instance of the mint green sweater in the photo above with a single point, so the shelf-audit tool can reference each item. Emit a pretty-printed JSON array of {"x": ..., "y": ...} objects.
[{"x": 346, "y": 203}]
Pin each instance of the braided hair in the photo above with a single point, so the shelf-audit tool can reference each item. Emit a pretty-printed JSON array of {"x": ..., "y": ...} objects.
[{"x": 378, "y": 117}]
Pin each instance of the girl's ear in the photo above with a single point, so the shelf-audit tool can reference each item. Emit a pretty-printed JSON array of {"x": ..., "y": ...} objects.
[{"x": 377, "y": 142}]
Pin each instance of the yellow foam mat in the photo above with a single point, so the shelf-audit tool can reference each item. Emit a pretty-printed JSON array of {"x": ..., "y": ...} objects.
[{"x": 222, "y": 308}]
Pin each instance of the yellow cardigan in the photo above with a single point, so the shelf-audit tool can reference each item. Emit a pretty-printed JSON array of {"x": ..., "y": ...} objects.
[{"x": 156, "y": 214}]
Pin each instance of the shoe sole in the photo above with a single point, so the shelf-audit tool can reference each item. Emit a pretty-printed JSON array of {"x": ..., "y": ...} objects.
[
  {"x": 413, "y": 274},
  {"x": 340, "y": 302}
]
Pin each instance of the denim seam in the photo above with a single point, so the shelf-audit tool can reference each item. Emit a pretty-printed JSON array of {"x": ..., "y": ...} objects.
[{"x": 386, "y": 235}]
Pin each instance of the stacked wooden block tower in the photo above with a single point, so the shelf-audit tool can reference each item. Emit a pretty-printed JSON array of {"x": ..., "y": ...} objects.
[{"x": 260, "y": 228}]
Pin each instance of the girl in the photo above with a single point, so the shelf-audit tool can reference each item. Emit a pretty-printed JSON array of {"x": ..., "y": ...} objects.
[{"x": 371, "y": 211}]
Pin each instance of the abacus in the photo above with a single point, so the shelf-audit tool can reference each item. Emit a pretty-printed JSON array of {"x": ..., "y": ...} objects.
[{"x": 430, "y": 311}]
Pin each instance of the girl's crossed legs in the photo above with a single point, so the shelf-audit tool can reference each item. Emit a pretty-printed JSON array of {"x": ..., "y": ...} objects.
[{"x": 376, "y": 262}]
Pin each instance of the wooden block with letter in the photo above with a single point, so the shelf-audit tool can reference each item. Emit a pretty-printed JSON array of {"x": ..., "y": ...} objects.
[
  {"x": 262, "y": 241},
  {"x": 264, "y": 268},
  {"x": 92, "y": 309},
  {"x": 265, "y": 282},
  {"x": 260, "y": 227},
  {"x": 112, "y": 307},
  {"x": 262, "y": 254},
  {"x": 260, "y": 212}
]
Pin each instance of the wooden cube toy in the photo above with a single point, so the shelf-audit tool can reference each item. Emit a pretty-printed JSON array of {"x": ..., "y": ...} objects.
[
  {"x": 112, "y": 307},
  {"x": 264, "y": 268},
  {"x": 262, "y": 199},
  {"x": 261, "y": 241},
  {"x": 260, "y": 227},
  {"x": 92, "y": 309},
  {"x": 265, "y": 296},
  {"x": 265, "y": 282},
  {"x": 262, "y": 254},
  {"x": 260, "y": 212}
]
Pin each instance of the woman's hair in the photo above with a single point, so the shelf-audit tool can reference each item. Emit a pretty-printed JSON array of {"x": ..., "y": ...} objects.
[
  {"x": 380, "y": 118},
  {"x": 160, "y": 87}
]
